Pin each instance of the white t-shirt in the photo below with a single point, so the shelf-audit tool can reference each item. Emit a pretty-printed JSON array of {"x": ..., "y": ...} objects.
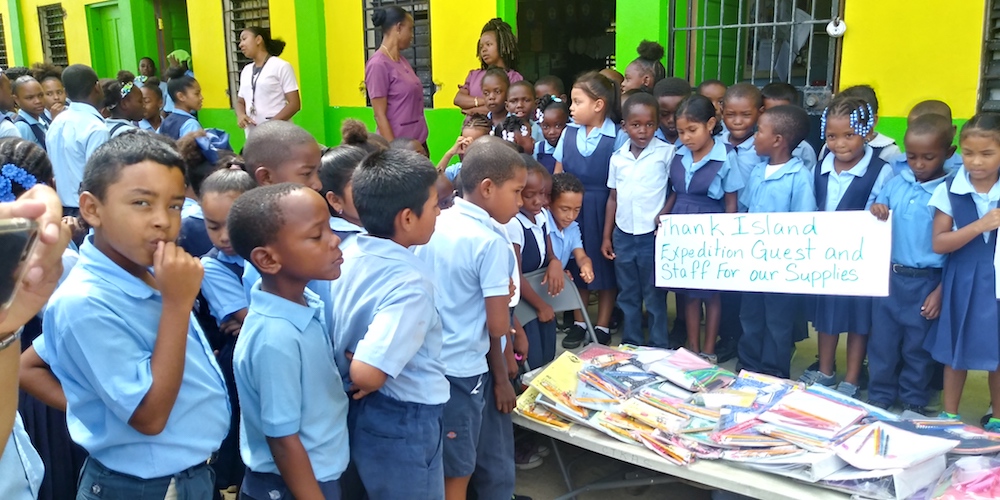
[
  {"x": 276, "y": 78},
  {"x": 770, "y": 170}
]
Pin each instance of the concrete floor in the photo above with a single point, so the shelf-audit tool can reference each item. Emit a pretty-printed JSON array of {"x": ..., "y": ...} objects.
[{"x": 546, "y": 483}]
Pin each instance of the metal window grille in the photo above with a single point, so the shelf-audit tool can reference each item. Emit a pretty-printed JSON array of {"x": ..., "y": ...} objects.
[
  {"x": 989, "y": 88},
  {"x": 237, "y": 15},
  {"x": 50, "y": 20},
  {"x": 3, "y": 46},
  {"x": 419, "y": 53},
  {"x": 760, "y": 41}
]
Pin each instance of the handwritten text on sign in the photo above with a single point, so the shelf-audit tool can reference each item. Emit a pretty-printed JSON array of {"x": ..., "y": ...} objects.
[{"x": 827, "y": 253}]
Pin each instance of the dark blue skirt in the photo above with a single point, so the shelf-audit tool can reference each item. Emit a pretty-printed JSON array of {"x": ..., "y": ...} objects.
[
  {"x": 835, "y": 314},
  {"x": 967, "y": 335},
  {"x": 591, "y": 220}
]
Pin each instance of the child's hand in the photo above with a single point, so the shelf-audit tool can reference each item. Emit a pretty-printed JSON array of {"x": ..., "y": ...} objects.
[
  {"x": 503, "y": 390},
  {"x": 931, "y": 308},
  {"x": 991, "y": 220},
  {"x": 231, "y": 326},
  {"x": 553, "y": 278},
  {"x": 880, "y": 211},
  {"x": 546, "y": 313},
  {"x": 608, "y": 249},
  {"x": 569, "y": 275},
  {"x": 177, "y": 274},
  {"x": 520, "y": 344},
  {"x": 512, "y": 288},
  {"x": 587, "y": 272}
]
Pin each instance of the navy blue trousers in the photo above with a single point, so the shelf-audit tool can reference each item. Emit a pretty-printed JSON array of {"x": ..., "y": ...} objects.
[
  {"x": 494, "y": 475},
  {"x": 634, "y": 263},
  {"x": 768, "y": 321},
  {"x": 541, "y": 342}
]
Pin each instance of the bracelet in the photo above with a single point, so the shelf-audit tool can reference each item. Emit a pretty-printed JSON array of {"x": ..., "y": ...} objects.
[
  {"x": 477, "y": 102},
  {"x": 10, "y": 339}
]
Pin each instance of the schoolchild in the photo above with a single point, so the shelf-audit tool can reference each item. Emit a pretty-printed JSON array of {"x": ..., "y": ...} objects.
[
  {"x": 899, "y": 366},
  {"x": 669, "y": 93},
  {"x": 781, "y": 93},
  {"x": 446, "y": 192},
  {"x": 848, "y": 179},
  {"x": 28, "y": 96},
  {"x": 585, "y": 150},
  {"x": 335, "y": 171},
  {"x": 498, "y": 48},
  {"x": 552, "y": 116},
  {"x": 472, "y": 261},
  {"x": 76, "y": 133},
  {"x": 647, "y": 70},
  {"x": 145, "y": 396},
  {"x": 517, "y": 132},
  {"x": 293, "y": 409},
  {"x": 704, "y": 178},
  {"x": 637, "y": 178},
  {"x": 186, "y": 94},
  {"x": 124, "y": 103},
  {"x": 885, "y": 147},
  {"x": 50, "y": 76},
  {"x": 715, "y": 91},
  {"x": 474, "y": 127},
  {"x": 929, "y": 107},
  {"x": 550, "y": 85},
  {"x": 495, "y": 87},
  {"x": 193, "y": 237},
  {"x": 387, "y": 332},
  {"x": 781, "y": 183},
  {"x": 965, "y": 228},
  {"x": 152, "y": 99},
  {"x": 521, "y": 103},
  {"x": 566, "y": 202},
  {"x": 8, "y": 108},
  {"x": 741, "y": 107}
]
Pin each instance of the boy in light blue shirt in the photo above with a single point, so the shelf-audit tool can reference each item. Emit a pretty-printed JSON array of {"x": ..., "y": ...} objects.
[
  {"x": 781, "y": 184},
  {"x": 780, "y": 94},
  {"x": 144, "y": 394},
  {"x": 387, "y": 332},
  {"x": 293, "y": 425},
  {"x": 472, "y": 272},
  {"x": 741, "y": 108}
]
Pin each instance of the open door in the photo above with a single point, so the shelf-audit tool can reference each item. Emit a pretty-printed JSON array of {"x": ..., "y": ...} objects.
[
  {"x": 174, "y": 33},
  {"x": 104, "y": 23}
]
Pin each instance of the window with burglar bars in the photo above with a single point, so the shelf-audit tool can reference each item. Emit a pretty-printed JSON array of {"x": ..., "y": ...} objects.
[
  {"x": 759, "y": 41},
  {"x": 3, "y": 46},
  {"x": 237, "y": 15},
  {"x": 989, "y": 88},
  {"x": 50, "y": 20},
  {"x": 419, "y": 53}
]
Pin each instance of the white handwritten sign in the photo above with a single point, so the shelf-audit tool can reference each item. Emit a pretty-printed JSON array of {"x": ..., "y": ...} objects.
[{"x": 826, "y": 253}]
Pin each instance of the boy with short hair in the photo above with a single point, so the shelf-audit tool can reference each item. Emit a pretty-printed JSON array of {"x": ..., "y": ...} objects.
[
  {"x": 76, "y": 133},
  {"x": 28, "y": 95},
  {"x": 292, "y": 406},
  {"x": 186, "y": 94},
  {"x": 715, "y": 91},
  {"x": 781, "y": 184},
  {"x": 930, "y": 107},
  {"x": 779, "y": 94},
  {"x": 472, "y": 261},
  {"x": 387, "y": 333},
  {"x": 669, "y": 93},
  {"x": 741, "y": 107},
  {"x": 145, "y": 396}
]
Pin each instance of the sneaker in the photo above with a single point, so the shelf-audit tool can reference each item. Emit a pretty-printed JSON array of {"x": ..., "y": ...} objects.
[
  {"x": 949, "y": 416},
  {"x": 711, "y": 358},
  {"x": 574, "y": 337},
  {"x": 916, "y": 409},
  {"x": 602, "y": 336},
  {"x": 848, "y": 389},
  {"x": 817, "y": 377},
  {"x": 879, "y": 404},
  {"x": 863, "y": 376},
  {"x": 543, "y": 451},
  {"x": 527, "y": 458},
  {"x": 986, "y": 418},
  {"x": 520, "y": 497},
  {"x": 815, "y": 366},
  {"x": 992, "y": 425}
]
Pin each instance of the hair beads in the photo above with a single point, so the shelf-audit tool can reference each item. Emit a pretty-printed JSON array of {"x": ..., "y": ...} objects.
[{"x": 860, "y": 114}]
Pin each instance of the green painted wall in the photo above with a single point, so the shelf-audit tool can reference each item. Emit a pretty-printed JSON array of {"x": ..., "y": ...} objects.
[
  {"x": 631, "y": 29},
  {"x": 18, "y": 51},
  {"x": 311, "y": 28},
  {"x": 445, "y": 126}
]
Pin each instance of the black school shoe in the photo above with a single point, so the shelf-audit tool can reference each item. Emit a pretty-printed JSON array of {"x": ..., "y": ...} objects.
[
  {"x": 726, "y": 348},
  {"x": 574, "y": 337},
  {"x": 919, "y": 409},
  {"x": 603, "y": 338}
]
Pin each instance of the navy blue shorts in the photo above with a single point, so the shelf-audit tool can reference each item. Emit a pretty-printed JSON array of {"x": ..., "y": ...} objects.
[
  {"x": 395, "y": 440},
  {"x": 494, "y": 476},
  {"x": 266, "y": 486},
  {"x": 461, "y": 422},
  {"x": 98, "y": 482}
]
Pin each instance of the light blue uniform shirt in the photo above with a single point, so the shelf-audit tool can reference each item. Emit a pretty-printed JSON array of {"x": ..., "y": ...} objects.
[
  {"x": 899, "y": 163},
  {"x": 24, "y": 128},
  {"x": 72, "y": 138},
  {"x": 100, "y": 332},
  {"x": 728, "y": 180},
  {"x": 586, "y": 143},
  {"x": 289, "y": 384},
  {"x": 837, "y": 184},
  {"x": 745, "y": 154},
  {"x": 564, "y": 241},
  {"x": 251, "y": 276},
  {"x": 21, "y": 469},
  {"x": 470, "y": 262},
  {"x": 451, "y": 171},
  {"x": 789, "y": 189},
  {"x": 118, "y": 126},
  {"x": 805, "y": 152},
  {"x": 191, "y": 208},
  {"x": 961, "y": 185},
  {"x": 385, "y": 315},
  {"x": 189, "y": 125},
  {"x": 912, "y": 219},
  {"x": 347, "y": 231},
  {"x": 145, "y": 125},
  {"x": 221, "y": 288},
  {"x": 7, "y": 128}
]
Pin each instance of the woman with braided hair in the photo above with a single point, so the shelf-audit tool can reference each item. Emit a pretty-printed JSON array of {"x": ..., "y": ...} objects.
[{"x": 497, "y": 47}]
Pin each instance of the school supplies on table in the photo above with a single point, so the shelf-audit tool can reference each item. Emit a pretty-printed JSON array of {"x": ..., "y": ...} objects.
[
  {"x": 557, "y": 382},
  {"x": 883, "y": 446},
  {"x": 691, "y": 372},
  {"x": 971, "y": 440},
  {"x": 618, "y": 380},
  {"x": 601, "y": 355},
  {"x": 653, "y": 417},
  {"x": 812, "y": 414},
  {"x": 969, "y": 478},
  {"x": 662, "y": 445},
  {"x": 527, "y": 407},
  {"x": 808, "y": 467}
]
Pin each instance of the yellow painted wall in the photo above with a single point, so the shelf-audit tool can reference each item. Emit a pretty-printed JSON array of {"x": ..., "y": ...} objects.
[
  {"x": 75, "y": 24},
  {"x": 912, "y": 50},
  {"x": 208, "y": 51},
  {"x": 345, "y": 53},
  {"x": 8, "y": 39},
  {"x": 282, "y": 19}
]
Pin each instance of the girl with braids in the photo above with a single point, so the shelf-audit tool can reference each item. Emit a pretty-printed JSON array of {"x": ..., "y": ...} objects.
[
  {"x": 125, "y": 104},
  {"x": 966, "y": 336},
  {"x": 497, "y": 47},
  {"x": 850, "y": 178},
  {"x": 516, "y": 131},
  {"x": 647, "y": 69},
  {"x": 552, "y": 116},
  {"x": 475, "y": 126}
]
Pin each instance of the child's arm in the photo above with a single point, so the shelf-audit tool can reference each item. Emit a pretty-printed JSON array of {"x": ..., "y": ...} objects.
[
  {"x": 502, "y": 388},
  {"x": 667, "y": 207},
  {"x": 446, "y": 159},
  {"x": 946, "y": 240},
  {"x": 731, "y": 200},
  {"x": 553, "y": 273},
  {"x": 880, "y": 211},
  {"x": 931, "y": 308},
  {"x": 520, "y": 345},
  {"x": 295, "y": 468},
  {"x": 558, "y": 168},
  {"x": 498, "y": 316},
  {"x": 545, "y": 312},
  {"x": 178, "y": 277},
  {"x": 234, "y": 323},
  {"x": 585, "y": 264},
  {"x": 609, "y": 225},
  {"x": 37, "y": 379}
]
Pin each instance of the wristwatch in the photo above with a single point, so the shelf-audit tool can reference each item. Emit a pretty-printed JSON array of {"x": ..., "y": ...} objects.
[{"x": 5, "y": 342}]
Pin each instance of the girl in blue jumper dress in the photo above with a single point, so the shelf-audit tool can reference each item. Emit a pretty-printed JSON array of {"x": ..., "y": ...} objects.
[
  {"x": 848, "y": 179},
  {"x": 584, "y": 150},
  {"x": 703, "y": 179},
  {"x": 967, "y": 335},
  {"x": 552, "y": 116},
  {"x": 335, "y": 171}
]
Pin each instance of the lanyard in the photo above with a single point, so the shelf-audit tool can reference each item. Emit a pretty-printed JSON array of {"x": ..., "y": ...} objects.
[{"x": 253, "y": 84}]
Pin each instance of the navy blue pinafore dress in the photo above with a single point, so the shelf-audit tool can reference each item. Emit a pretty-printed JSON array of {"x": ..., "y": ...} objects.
[
  {"x": 967, "y": 334},
  {"x": 835, "y": 314},
  {"x": 548, "y": 161},
  {"x": 593, "y": 173},
  {"x": 541, "y": 336}
]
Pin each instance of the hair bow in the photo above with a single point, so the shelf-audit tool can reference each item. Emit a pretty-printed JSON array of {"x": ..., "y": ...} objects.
[{"x": 9, "y": 174}]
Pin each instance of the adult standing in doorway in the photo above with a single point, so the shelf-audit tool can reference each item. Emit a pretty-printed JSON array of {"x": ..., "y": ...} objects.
[
  {"x": 497, "y": 47},
  {"x": 395, "y": 90},
  {"x": 268, "y": 90}
]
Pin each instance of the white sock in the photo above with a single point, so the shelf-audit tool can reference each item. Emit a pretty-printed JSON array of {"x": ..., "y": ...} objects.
[
  {"x": 581, "y": 324},
  {"x": 604, "y": 329}
]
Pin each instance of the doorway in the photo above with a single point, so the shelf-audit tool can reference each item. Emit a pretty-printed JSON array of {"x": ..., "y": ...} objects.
[
  {"x": 172, "y": 31},
  {"x": 104, "y": 23},
  {"x": 565, "y": 38}
]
